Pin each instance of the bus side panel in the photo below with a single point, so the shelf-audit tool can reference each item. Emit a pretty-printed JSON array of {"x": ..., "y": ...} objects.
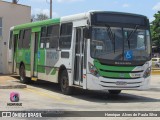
[
  {"x": 52, "y": 57},
  {"x": 23, "y": 56},
  {"x": 27, "y": 61},
  {"x": 41, "y": 64}
]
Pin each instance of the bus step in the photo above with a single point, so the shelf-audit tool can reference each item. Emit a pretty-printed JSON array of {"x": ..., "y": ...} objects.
[
  {"x": 77, "y": 86},
  {"x": 34, "y": 78}
]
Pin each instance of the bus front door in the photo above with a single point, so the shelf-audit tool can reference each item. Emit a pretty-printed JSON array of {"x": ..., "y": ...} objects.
[
  {"x": 34, "y": 56},
  {"x": 78, "y": 61}
]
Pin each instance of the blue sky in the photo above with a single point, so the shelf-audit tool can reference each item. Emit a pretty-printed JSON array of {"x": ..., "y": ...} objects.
[{"x": 68, "y": 7}]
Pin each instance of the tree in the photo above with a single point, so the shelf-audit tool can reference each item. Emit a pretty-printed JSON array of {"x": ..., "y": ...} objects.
[
  {"x": 39, "y": 17},
  {"x": 155, "y": 29}
]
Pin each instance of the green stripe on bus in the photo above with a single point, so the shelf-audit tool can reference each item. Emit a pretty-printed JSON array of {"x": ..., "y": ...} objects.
[
  {"x": 98, "y": 65},
  {"x": 114, "y": 75},
  {"x": 36, "y": 29},
  {"x": 41, "y": 69},
  {"x": 53, "y": 71},
  {"x": 39, "y": 23}
]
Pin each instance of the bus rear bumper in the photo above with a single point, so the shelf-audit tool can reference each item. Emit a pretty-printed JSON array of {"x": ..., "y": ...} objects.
[{"x": 104, "y": 84}]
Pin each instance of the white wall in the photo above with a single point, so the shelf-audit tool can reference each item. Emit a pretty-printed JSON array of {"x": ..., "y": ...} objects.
[{"x": 12, "y": 14}]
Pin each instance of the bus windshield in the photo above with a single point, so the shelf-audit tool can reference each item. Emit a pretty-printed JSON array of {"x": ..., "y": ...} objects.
[{"x": 121, "y": 44}]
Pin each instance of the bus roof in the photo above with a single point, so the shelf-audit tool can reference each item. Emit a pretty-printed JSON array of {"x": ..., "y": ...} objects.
[
  {"x": 68, "y": 18},
  {"x": 39, "y": 23}
]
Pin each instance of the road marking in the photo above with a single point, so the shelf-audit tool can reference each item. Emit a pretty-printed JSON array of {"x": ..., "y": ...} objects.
[{"x": 52, "y": 96}]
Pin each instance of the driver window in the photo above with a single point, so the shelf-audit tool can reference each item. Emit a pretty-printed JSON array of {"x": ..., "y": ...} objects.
[{"x": 141, "y": 41}]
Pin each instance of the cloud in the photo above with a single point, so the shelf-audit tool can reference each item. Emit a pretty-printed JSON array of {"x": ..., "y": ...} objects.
[
  {"x": 151, "y": 19},
  {"x": 157, "y": 6},
  {"x": 44, "y": 11},
  {"x": 125, "y": 5},
  {"x": 62, "y": 1}
]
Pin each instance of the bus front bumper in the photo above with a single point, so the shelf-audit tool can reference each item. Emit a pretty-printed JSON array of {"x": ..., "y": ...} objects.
[{"x": 100, "y": 83}]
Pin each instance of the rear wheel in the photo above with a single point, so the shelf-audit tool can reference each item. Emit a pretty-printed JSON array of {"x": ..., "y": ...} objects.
[
  {"x": 22, "y": 73},
  {"x": 64, "y": 83},
  {"x": 114, "y": 92}
]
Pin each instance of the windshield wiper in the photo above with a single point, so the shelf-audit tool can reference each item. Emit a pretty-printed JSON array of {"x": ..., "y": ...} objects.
[
  {"x": 111, "y": 35},
  {"x": 130, "y": 35}
]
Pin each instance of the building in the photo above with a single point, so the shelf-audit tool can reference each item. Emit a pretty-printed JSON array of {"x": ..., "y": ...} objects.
[{"x": 11, "y": 14}]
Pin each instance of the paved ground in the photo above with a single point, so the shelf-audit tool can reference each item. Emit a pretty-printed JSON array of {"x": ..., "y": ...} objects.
[{"x": 46, "y": 95}]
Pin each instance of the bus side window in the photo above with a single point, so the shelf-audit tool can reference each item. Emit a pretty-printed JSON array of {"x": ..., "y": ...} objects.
[
  {"x": 27, "y": 38},
  {"x": 15, "y": 41},
  {"x": 65, "y": 36},
  {"x": 52, "y": 36},
  {"x": 43, "y": 37},
  {"x": 20, "y": 41}
]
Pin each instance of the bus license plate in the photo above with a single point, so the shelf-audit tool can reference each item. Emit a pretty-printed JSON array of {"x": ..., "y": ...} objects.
[{"x": 121, "y": 83}]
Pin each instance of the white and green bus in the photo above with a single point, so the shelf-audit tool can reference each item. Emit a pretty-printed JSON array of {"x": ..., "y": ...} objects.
[{"x": 97, "y": 50}]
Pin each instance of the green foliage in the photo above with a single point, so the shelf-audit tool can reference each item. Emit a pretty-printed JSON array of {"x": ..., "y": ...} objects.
[
  {"x": 155, "y": 29},
  {"x": 39, "y": 17}
]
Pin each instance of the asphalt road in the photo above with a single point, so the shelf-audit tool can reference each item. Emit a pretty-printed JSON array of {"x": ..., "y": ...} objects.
[{"x": 44, "y": 95}]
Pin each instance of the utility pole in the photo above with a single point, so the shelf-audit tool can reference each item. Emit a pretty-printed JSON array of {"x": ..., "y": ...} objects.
[
  {"x": 14, "y": 1},
  {"x": 50, "y": 9}
]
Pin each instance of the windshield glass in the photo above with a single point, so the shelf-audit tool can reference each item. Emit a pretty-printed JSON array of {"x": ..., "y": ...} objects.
[{"x": 122, "y": 44}]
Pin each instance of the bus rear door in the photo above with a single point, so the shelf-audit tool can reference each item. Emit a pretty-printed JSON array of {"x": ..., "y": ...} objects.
[{"x": 34, "y": 55}]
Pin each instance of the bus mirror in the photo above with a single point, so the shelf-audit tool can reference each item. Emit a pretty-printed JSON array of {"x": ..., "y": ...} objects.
[{"x": 86, "y": 32}]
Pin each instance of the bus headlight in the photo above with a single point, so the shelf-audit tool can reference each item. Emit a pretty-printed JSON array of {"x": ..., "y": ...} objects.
[
  {"x": 147, "y": 73},
  {"x": 93, "y": 70}
]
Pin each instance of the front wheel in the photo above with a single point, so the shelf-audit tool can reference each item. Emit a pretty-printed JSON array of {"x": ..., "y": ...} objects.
[
  {"x": 22, "y": 73},
  {"x": 114, "y": 92},
  {"x": 64, "y": 83}
]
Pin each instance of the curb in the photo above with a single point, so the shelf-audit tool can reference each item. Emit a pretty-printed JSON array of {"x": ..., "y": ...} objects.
[{"x": 13, "y": 86}]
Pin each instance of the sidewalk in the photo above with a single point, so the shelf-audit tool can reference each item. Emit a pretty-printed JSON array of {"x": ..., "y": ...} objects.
[
  {"x": 10, "y": 82},
  {"x": 155, "y": 83}
]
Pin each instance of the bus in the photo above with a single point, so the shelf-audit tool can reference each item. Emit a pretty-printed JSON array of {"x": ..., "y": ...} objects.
[{"x": 96, "y": 50}]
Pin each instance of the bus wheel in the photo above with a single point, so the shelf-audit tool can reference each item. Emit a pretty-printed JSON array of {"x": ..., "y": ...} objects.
[
  {"x": 22, "y": 73},
  {"x": 64, "y": 83},
  {"x": 114, "y": 92}
]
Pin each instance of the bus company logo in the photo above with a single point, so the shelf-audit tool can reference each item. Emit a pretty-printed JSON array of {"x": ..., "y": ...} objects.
[
  {"x": 14, "y": 98},
  {"x": 123, "y": 63}
]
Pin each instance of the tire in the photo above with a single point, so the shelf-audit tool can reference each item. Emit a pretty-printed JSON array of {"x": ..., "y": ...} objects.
[
  {"x": 22, "y": 73},
  {"x": 114, "y": 92},
  {"x": 64, "y": 83}
]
